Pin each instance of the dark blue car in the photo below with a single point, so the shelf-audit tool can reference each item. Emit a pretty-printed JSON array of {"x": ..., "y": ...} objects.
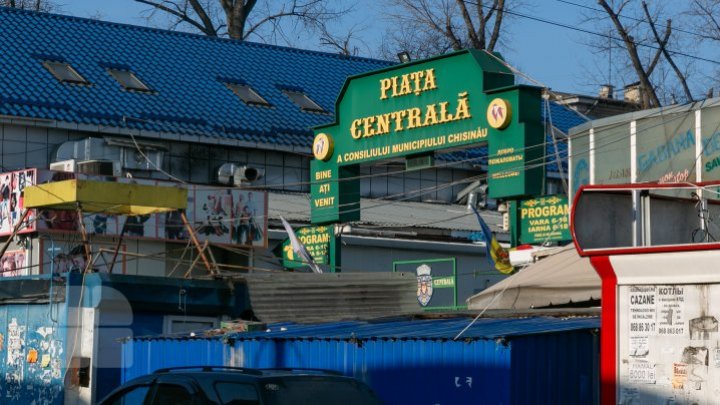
[{"x": 241, "y": 386}]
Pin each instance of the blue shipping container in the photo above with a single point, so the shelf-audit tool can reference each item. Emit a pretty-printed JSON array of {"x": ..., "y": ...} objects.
[{"x": 497, "y": 361}]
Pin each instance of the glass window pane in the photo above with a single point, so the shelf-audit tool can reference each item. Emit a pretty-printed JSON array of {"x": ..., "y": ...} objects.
[
  {"x": 171, "y": 394},
  {"x": 64, "y": 72},
  {"x": 303, "y": 101},
  {"x": 231, "y": 393},
  {"x": 318, "y": 391},
  {"x": 128, "y": 79},
  {"x": 247, "y": 94},
  {"x": 135, "y": 396}
]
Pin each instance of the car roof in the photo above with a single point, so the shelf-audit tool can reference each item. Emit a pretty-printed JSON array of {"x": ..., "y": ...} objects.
[{"x": 249, "y": 372}]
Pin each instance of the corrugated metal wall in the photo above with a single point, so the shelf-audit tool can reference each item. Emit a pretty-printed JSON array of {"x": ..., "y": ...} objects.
[
  {"x": 309, "y": 297},
  {"x": 557, "y": 368},
  {"x": 140, "y": 357},
  {"x": 32, "y": 353}
]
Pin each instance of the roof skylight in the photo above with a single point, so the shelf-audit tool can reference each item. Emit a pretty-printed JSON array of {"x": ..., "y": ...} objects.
[
  {"x": 247, "y": 94},
  {"x": 64, "y": 72},
  {"x": 303, "y": 101},
  {"x": 127, "y": 79}
]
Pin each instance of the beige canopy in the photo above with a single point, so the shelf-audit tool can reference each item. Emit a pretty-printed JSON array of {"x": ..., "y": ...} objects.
[{"x": 558, "y": 279}]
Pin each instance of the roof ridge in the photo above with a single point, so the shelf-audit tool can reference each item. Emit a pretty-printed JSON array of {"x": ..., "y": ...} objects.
[{"x": 161, "y": 31}]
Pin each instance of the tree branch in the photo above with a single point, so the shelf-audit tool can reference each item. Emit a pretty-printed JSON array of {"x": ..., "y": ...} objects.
[
  {"x": 495, "y": 36},
  {"x": 478, "y": 43},
  {"x": 661, "y": 43},
  {"x": 182, "y": 16},
  {"x": 650, "y": 98}
]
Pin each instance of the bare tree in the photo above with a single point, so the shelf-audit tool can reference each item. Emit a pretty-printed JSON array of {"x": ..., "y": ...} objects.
[
  {"x": 708, "y": 12},
  {"x": 662, "y": 46},
  {"x": 642, "y": 70},
  {"x": 265, "y": 21},
  {"x": 430, "y": 27},
  {"x": 645, "y": 50},
  {"x": 34, "y": 5}
]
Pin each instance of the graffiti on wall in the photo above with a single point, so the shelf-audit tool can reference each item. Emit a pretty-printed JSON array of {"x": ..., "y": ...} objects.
[
  {"x": 15, "y": 363},
  {"x": 33, "y": 364}
]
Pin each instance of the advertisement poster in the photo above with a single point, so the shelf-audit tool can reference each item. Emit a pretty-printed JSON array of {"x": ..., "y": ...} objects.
[
  {"x": 219, "y": 215},
  {"x": 12, "y": 187},
  {"x": 13, "y": 264}
]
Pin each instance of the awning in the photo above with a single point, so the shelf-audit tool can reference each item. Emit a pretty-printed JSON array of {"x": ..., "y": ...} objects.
[
  {"x": 108, "y": 197},
  {"x": 559, "y": 279}
]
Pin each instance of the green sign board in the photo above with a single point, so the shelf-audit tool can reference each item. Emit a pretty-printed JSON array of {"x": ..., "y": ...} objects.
[
  {"x": 462, "y": 99},
  {"x": 543, "y": 219},
  {"x": 317, "y": 240}
]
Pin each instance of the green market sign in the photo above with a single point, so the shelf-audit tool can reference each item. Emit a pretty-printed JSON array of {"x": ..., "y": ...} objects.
[
  {"x": 544, "y": 219},
  {"x": 463, "y": 99},
  {"x": 317, "y": 240}
]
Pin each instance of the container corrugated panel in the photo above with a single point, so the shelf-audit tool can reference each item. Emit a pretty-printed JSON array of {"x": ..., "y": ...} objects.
[
  {"x": 32, "y": 353},
  {"x": 400, "y": 371},
  {"x": 556, "y": 368},
  {"x": 483, "y": 328},
  {"x": 145, "y": 357},
  {"x": 332, "y": 296},
  {"x": 498, "y": 361}
]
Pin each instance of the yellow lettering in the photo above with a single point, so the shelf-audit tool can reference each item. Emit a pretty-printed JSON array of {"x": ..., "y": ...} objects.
[
  {"x": 324, "y": 202},
  {"x": 354, "y": 129},
  {"x": 444, "y": 117},
  {"x": 398, "y": 117},
  {"x": 463, "y": 109},
  {"x": 323, "y": 174},
  {"x": 415, "y": 76},
  {"x": 430, "y": 115},
  {"x": 429, "y": 80},
  {"x": 383, "y": 123},
  {"x": 385, "y": 85},
  {"x": 367, "y": 126},
  {"x": 413, "y": 118},
  {"x": 405, "y": 85}
]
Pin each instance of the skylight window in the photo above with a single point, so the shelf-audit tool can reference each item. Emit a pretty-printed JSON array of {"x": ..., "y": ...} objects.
[
  {"x": 127, "y": 79},
  {"x": 303, "y": 101},
  {"x": 247, "y": 94},
  {"x": 64, "y": 72}
]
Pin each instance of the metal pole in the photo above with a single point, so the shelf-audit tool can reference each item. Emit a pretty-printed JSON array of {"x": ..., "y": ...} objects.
[
  {"x": 117, "y": 247},
  {"x": 83, "y": 233}
]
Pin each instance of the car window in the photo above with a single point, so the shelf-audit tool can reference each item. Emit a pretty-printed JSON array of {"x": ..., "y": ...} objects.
[
  {"x": 133, "y": 396},
  {"x": 318, "y": 391},
  {"x": 171, "y": 394},
  {"x": 233, "y": 393}
]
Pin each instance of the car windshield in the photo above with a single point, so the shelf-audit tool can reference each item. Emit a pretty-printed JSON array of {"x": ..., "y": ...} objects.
[{"x": 317, "y": 391}]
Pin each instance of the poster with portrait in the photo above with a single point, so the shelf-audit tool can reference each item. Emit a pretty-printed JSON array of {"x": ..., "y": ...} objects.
[
  {"x": 170, "y": 224},
  {"x": 249, "y": 218},
  {"x": 14, "y": 263},
  {"x": 5, "y": 192},
  {"x": 213, "y": 214}
]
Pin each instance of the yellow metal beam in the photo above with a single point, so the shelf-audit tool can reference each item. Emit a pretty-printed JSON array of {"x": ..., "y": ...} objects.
[{"x": 107, "y": 197}]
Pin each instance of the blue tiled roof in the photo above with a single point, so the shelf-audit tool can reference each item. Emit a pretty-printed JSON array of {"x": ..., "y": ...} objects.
[
  {"x": 186, "y": 73},
  {"x": 483, "y": 328},
  {"x": 184, "y": 70}
]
